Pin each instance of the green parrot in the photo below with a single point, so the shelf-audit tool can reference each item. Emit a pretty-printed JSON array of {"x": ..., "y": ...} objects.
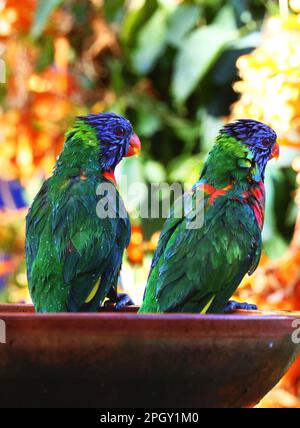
[
  {"x": 197, "y": 269},
  {"x": 77, "y": 227}
]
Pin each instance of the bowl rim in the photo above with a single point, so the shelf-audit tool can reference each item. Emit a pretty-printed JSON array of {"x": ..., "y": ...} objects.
[{"x": 246, "y": 324}]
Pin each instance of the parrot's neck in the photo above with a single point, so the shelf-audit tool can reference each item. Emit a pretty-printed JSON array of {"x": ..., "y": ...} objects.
[
  {"x": 80, "y": 154},
  {"x": 231, "y": 163}
]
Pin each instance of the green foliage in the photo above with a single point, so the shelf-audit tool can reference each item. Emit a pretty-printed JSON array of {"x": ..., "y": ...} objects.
[
  {"x": 196, "y": 57},
  {"x": 182, "y": 21},
  {"x": 151, "y": 42}
]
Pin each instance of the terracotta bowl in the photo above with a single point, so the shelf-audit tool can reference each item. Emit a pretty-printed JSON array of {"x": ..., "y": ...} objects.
[{"x": 130, "y": 360}]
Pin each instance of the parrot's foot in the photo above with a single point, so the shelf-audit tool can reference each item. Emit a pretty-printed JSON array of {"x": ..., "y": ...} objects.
[
  {"x": 233, "y": 306},
  {"x": 122, "y": 300},
  {"x": 117, "y": 301}
]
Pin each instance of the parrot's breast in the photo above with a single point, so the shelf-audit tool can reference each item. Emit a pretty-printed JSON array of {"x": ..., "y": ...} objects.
[{"x": 255, "y": 197}]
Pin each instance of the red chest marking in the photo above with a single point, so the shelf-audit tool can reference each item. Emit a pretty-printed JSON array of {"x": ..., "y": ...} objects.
[
  {"x": 255, "y": 197},
  {"x": 214, "y": 193},
  {"x": 110, "y": 175}
]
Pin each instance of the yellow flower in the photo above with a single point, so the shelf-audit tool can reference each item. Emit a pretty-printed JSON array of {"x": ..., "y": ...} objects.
[{"x": 270, "y": 79}]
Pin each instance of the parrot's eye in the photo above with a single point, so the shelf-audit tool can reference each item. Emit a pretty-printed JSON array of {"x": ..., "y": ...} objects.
[
  {"x": 265, "y": 141},
  {"x": 120, "y": 131}
]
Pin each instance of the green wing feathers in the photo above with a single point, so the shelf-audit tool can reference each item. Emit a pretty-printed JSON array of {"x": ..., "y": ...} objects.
[
  {"x": 69, "y": 249},
  {"x": 192, "y": 268}
]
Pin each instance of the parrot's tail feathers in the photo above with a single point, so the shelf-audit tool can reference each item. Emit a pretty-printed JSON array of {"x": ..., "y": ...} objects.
[
  {"x": 207, "y": 306},
  {"x": 82, "y": 299},
  {"x": 198, "y": 304},
  {"x": 93, "y": 292}
]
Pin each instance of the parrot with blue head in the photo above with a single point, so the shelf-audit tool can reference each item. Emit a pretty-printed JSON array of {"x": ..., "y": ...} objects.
[
  {"x": 198, "y": 269},
  {"x": 74, "y": 251}
]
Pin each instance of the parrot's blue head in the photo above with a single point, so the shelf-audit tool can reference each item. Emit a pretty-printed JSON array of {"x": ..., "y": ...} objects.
[
  {"x": 258, "y": 137},
  {"x": 116, "y": 138}
]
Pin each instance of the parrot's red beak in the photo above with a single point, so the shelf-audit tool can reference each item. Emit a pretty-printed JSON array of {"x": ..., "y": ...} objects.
[
  {"x": 134, "y": 146},
  {"x": 275, "y": 151}
]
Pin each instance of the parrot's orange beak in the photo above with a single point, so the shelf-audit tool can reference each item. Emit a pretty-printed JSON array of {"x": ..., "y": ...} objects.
[
  {"x": 275, "y": 151},
  {"x": 134, "y": 146}
]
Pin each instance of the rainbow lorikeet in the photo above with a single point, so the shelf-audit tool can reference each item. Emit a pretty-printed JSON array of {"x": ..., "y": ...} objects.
[
  {"x": 73, "y": 250},
  {"x": 198, "y": 269}
]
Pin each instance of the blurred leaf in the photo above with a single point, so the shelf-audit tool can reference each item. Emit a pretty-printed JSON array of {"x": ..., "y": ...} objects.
[
  {"x": 116, "y": 73},
  {"x": 226, "y": 18},
  {"x": 151, "y": 42},
  {"x": 225, "y": 70},
  {"x": 113, "y": 10},
  {"x": 168, "y": 4},
  {"x": 46, "y": 54},
  {"x": 269, "y": 229},
  {"x": 134, "y": 18},
  {"x": 251, "y": 40},
  {"x": 183, "y": 129},
  {"x": 148, "y": 122},
  {"x": 291, "y": 215},
  {"x": 154, "y": 172},
  {"x": 274, "y": 244},
  {"x": 197, "y": 55},
  {"x": 275, "y": 247},
  {"x": 81, "y": 15},
  {"x": 209, "y": 129},
  {"x": 181, "y": 22},
  {"x": 185, "y": 169},
  {"x": 44, "y": 10}
]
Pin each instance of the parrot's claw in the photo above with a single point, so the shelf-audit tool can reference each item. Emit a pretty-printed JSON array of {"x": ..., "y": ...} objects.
[
  {"x": 233, "y": 306},
  {"x": 123, "y": 300}
]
